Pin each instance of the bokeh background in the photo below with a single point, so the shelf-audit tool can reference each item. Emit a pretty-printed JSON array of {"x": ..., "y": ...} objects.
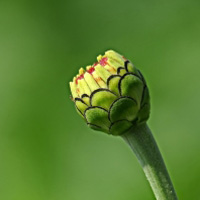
[{"x": 46, "y": 150}]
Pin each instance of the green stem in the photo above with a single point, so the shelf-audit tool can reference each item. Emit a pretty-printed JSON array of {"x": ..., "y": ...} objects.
[{"x": 141, "y": 141}]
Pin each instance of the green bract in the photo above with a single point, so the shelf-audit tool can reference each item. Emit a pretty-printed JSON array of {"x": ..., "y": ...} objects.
[{"x": 111, "y": 95}]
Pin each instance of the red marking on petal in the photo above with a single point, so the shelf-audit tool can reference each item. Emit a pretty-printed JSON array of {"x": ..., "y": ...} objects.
[
  {"x": 91, "y": 70},
  {"x": 96, "y": 63},
  {"x": 98, "y": 79},
  {"x": 103, "y": 61},
  {"x": 124, "y": 58},
  {"x": 79, "y": 78}
]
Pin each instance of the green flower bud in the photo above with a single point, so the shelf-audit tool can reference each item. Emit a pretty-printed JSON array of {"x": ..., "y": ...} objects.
[{"x": 111, "y": 95}]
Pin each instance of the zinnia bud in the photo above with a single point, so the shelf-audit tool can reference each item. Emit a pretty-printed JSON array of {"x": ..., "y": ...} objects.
[{"x": 111, "y": 95}]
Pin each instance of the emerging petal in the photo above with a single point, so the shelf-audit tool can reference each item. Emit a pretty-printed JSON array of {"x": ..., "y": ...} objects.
[{"x": 111, "y": 95}]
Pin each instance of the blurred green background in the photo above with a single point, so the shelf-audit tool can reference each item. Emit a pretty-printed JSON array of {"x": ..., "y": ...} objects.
[{"x": 46, "y": 150}]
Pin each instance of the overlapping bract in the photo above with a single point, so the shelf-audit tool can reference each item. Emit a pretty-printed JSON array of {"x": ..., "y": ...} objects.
[{"x": 111, "y": 95}]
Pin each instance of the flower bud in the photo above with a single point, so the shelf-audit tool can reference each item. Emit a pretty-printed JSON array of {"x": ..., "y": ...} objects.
[{"x": 111, "y": 95}]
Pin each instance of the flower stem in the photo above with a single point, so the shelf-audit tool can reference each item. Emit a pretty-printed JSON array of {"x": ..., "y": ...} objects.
[{"x": 141, "y": 141}]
